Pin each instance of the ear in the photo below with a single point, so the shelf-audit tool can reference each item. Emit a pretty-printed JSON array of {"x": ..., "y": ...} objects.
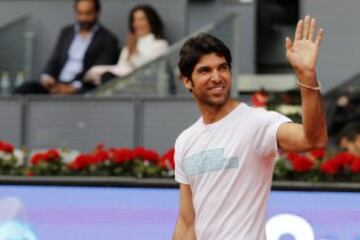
[{"x": 187, "y": 83}]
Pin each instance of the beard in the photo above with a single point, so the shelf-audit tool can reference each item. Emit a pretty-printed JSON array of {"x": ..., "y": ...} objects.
[
  {"x": 211, "y": 101},
  {"x": 86, "y": 26}
]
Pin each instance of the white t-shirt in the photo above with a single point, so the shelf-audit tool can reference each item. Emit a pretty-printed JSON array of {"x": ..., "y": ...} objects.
[{"x": 229, "y": 166}]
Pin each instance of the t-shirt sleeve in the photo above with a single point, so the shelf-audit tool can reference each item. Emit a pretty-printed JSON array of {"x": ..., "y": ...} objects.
[
  {"x": 180, "y": 175},
  {"x": 268, "y": 145}
]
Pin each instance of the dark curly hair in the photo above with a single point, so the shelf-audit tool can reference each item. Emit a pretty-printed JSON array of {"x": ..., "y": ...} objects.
[
  {"x": 156, "y": 24},
  {"x": 196, "y": 47}
]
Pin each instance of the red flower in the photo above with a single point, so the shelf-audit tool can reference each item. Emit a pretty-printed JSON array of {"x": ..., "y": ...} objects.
[
  {"x": 318, "y": 154},
  {"x": 139, "y": 152},
  {"x": 6, "y": 147},
  {"x": 146, "y": 154},
  {"x": 101, "y": 156},
  {"x": 152, "y": 156},
  {"x": 330, "y": 167},
  {"x": 121, "y": 155},
  {"x": 259, "y": 99},
  {"x": 82, "y": 161},
  {"x": 303, "y": 165},
  {"x": 51, "y": 155},
  {"x": 340, "y": 161},
  {"x": 346, "y": 158},
  {"x": 167, "y": 160},
  {"x": 291, "y": 156},
  {"x": 300, "y": 163},
  {"x": 355, "y": 167},
  {"x": 36, "y": 158}
]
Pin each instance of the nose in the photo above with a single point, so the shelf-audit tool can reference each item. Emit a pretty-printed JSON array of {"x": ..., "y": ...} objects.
[{"x": 215, "y": 76}]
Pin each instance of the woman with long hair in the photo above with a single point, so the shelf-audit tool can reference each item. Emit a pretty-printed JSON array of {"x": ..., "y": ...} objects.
[{"x": 145, "y": 42}]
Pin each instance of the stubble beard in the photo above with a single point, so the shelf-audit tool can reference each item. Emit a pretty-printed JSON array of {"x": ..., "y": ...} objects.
[
  {"x": 209, "y": 101},
  {"x": 87, "y": 26}
]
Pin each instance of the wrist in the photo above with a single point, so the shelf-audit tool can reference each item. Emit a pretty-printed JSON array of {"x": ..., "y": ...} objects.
[{"x": 307, "y": 77}]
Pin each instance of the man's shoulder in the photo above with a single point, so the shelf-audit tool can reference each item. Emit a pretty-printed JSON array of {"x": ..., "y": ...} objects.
[
  {"x": 68, "y": 28},
  {"x": 258, "y": 114},
  {"x": 106, "y": 32},
  {"x": 262, "y": 118}
]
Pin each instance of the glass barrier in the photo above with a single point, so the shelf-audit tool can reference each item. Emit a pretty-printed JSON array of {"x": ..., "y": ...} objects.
[
  {"x": 161, "y": 76},
  {"x": 16, "y": 42},
  {"x": 342, "y": 106}
]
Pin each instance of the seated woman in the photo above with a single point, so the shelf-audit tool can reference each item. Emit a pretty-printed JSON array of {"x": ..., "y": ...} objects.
[{"x": 145, "y": 42}]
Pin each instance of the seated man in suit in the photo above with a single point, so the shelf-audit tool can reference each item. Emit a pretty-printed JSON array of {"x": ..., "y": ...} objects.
[{"x": 80, "y": 46}]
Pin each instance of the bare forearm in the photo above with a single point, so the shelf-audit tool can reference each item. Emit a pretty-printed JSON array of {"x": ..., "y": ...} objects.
[
  {"x": 302, "y": 54},
  {"x": 313, "y": 114},
  {"x": 184, "y": 232}
]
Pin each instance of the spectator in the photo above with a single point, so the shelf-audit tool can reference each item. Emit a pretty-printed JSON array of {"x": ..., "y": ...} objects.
[
  {"x": 145, "y": 43},
  {"x": 79, "y": 47},
  {"x": 349, "y": 138}
]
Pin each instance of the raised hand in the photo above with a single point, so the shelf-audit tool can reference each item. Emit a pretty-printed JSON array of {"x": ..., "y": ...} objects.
[
  {"x": 303, "y": 52},
  {"x": 131, "y": 44}
]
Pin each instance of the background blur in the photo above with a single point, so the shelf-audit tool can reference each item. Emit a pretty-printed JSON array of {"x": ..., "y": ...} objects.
[{"x": 100, "y": 165}]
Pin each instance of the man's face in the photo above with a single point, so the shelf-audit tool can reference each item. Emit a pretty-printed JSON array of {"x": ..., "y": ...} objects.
[
  {"x": 211, "y": 81},
  {"x": 86, "y": 14},
  {"x": 351, "y": 146}
]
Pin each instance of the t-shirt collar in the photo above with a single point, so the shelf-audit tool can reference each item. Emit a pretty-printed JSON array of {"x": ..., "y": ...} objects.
[{"x": 223, "y": 119}]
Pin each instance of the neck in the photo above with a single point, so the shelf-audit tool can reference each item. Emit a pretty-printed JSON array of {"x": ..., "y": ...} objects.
[
  {"x": 84, "y": 33},
  {"x": 212, "y": 114},
  {"x": 144, "y": 35}
]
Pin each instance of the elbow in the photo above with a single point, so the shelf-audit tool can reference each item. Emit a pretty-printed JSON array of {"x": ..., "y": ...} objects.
[
  {"x": 323, "y": 140},
  {"x": 321, "y": 143},
  {"x": 318, "y": 143}
]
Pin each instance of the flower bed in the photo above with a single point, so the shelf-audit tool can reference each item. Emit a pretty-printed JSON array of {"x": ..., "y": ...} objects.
[
  {"x": 138, "y": 162},
  {"x": 315, "y": 166}
]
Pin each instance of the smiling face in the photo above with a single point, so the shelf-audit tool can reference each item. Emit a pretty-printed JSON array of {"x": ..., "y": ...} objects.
[
  {"x": 140, "y": 23},
  {"x": 210, "y": 81}
]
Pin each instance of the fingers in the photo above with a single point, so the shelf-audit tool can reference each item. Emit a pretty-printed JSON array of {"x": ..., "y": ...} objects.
[
  {"x": 306, "y": 27},
  {"x": 288, "y": 44},
  {"x": 312, "y": 29},
  {"x": 298, "y": 31},
  {"x": 319, "y": 37}
]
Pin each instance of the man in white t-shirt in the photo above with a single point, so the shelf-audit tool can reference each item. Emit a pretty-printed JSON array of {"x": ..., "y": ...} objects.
[{"x": 224, "y": 162}]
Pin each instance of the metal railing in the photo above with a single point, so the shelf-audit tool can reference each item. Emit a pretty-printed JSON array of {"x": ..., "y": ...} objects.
[
  {"x": 160, "y": 77},
  {"x": 16, "y": 46},
  {"x": 163, "y": 183}
]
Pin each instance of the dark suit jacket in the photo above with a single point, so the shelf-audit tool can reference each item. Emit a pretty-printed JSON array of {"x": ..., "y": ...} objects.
[{"x": 103, "y": 50}]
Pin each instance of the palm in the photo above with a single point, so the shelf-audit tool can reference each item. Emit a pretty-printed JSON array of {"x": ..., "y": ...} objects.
[{"x": 303, "y": 52}]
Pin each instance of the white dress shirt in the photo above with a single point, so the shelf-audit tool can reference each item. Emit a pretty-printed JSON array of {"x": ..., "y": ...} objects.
[
  {"x": 148, "y": 48},
  {"x": 75, "y": 61}
]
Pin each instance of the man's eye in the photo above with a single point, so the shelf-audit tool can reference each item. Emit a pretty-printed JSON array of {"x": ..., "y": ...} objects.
[
  {"x": 223, "y": 67},
  {"x": 203, "y": 71}
]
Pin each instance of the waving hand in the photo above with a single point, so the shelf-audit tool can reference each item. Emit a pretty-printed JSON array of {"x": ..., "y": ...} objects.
[{"x": 302, "y": 53}]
